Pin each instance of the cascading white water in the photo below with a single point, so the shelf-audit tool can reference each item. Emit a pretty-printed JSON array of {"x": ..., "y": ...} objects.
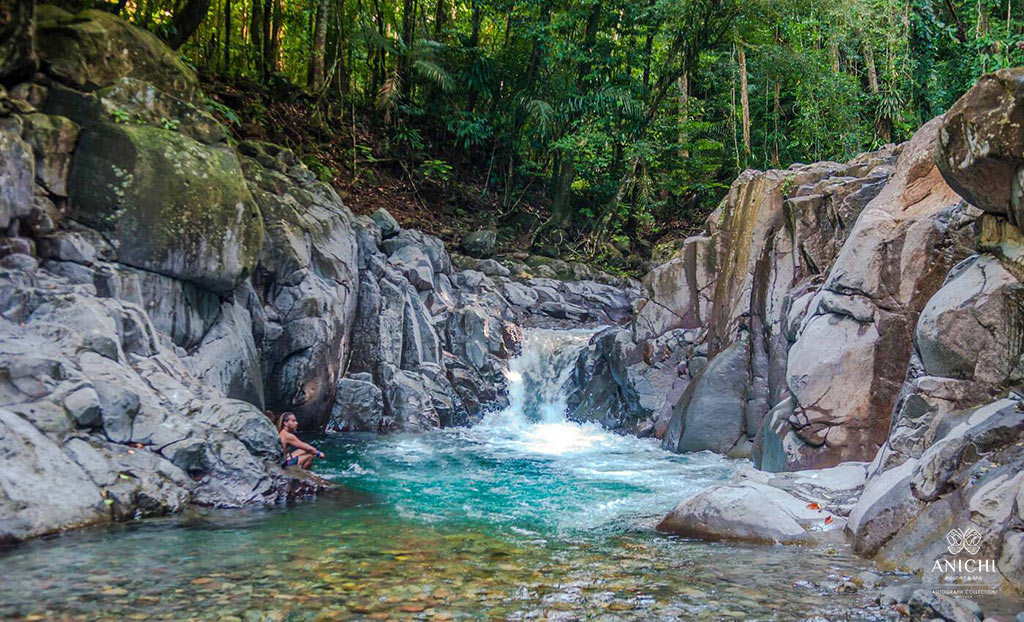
[
  {"x": 526, "y": 466},
  {"x": 536, "y": 379}
]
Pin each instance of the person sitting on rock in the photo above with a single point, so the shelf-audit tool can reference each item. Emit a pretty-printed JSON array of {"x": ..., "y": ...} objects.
[{"x": 295, "y": 451}]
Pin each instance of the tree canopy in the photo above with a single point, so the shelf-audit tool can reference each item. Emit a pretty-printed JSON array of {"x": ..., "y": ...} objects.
[{"x": 607, "y": 121}]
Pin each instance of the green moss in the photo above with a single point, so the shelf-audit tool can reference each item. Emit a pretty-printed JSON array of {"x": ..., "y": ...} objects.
[{"x": 173, "y": 206}]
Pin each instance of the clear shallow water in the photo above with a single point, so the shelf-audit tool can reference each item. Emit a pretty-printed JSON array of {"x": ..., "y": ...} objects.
[{"x": 523, "y": 517}]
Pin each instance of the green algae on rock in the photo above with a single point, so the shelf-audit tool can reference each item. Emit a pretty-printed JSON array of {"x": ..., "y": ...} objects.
[
  {"x": 92, "y": 49},
  {"x": 168, "y": 203}
]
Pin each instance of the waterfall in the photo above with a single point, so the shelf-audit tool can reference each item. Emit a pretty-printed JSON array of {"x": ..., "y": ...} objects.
[{"x": 537, "y": 377}]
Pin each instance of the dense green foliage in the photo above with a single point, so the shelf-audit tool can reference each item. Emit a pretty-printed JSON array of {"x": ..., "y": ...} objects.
[{"x": 620, "y": 117}]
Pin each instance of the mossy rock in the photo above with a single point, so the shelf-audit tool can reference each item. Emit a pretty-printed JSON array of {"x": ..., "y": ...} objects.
[
  {"x": 168, "y": 203},
  {"x": 92, "y": 49}
]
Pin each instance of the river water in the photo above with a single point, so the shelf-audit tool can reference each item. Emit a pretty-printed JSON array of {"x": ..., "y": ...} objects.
[{"x": 524, "y": 516}]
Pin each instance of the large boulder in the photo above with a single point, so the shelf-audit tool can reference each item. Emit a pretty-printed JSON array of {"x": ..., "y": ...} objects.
[
  {"x": 973, "y": 327},
  {"x": 41, "y": 489},
  {"x": 710, "y": 414},
  {"x": 850, "y": 358},
  {"x": 167, "y": 203},
  {"x": 803, "y": 507},
  {"x": 358, "y": 405},
  {"x": 980, "y": 152},
  {"x": 408, "y": 404},
  {"x": 307, "y": 279},
  {"x": 94, "y": 48},
  {"x": 480, "y": 243}
]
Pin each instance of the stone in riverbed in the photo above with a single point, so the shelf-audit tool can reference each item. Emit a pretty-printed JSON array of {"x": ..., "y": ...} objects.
[{"x": 748, "y": 512}]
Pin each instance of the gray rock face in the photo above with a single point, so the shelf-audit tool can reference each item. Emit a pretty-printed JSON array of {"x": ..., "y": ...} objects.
[
  {"x": 17, "y": 170},
  {"x": 358, "y": 405},
  {"x": 306, "y": 280},
  {"x": 973, "y": 327}
]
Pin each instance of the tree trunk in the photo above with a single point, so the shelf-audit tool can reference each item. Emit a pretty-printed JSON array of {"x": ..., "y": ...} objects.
[
  {"x": 561, "y": 214},
  {"x": 255, "y": 31},
  {"x": 476, "y": 19},
  {"x": 268, "y": 42},
  {"x": 18, "y": 60},
  {"x": 684, "y": 96},
  {"x": 186, "y": 21},
  {"x": 869, "y": 61},
  {"x": 227, "y": 35},
  {"x": 744, "y": 102},
  {"x": 439, "y": 15},
  {"x": 275, "y": 37},
  {"x": 777, "y": 113},
  {"x": 408, "y": 33},
  {"x": 316, "y": 60}
]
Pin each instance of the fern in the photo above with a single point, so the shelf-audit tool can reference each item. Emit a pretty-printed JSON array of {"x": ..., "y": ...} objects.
[{"x": 434, "y": 73}]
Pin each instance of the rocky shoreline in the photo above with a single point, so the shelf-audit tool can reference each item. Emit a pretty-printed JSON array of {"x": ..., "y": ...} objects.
[
  {"x": 161, "y": 284},
  {"x": 854, "y": 329}
]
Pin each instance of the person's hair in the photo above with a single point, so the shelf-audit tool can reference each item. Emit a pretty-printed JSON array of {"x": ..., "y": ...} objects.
[{"x": 284, "y": 417}]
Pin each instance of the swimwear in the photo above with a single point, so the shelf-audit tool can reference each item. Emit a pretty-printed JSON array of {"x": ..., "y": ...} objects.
[{"x": 294, "y": 460}]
